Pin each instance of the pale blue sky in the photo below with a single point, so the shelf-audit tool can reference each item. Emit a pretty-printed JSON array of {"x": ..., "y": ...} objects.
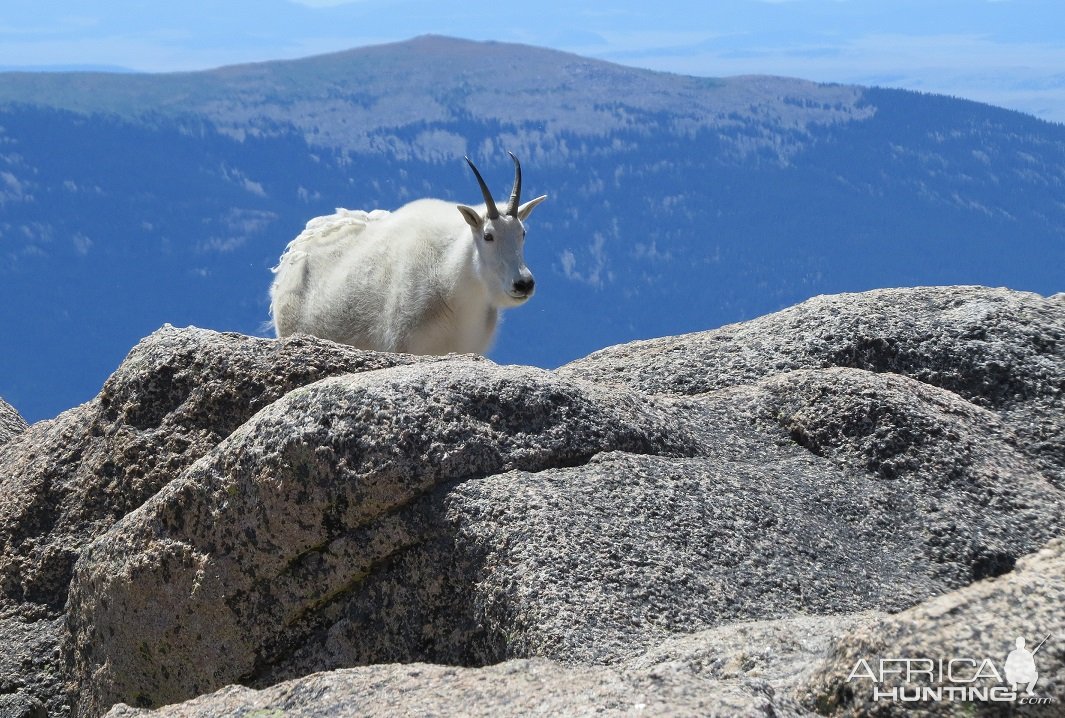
[{"x": 1007, "y": 52}]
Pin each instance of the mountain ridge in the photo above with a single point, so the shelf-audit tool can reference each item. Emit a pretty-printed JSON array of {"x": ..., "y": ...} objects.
[{"x": 234, "y": 95}]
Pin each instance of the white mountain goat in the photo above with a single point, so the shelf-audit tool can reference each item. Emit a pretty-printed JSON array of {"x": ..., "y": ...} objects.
[{"x": 428, "y": 278}]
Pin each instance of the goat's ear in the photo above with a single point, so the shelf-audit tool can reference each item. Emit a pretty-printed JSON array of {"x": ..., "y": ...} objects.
[
  {"x": 472, "y": 217},
  {"x": 526, "y": 209}
]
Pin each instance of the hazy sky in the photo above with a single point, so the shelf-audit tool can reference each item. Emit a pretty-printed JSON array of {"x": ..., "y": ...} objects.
[{"x": 1007, "y": 52}]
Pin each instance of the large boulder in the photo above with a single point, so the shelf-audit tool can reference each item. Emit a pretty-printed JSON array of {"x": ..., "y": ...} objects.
[
  {"x": 66, "y": 481},
  {"x": 237, "y": 564},
  {"x": 707, "y": 524},
  {"x": 996, "y": 348},
  {"x": 177, "y": 395}
]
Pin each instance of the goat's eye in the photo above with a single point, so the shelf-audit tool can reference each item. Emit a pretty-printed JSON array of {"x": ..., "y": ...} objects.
[{"x": 489, "y": 238}]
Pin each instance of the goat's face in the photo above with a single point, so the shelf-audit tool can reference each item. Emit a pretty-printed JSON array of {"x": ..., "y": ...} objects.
[
  {"x": 500, "y": 243},
  {"x": 500, "y": 247}
]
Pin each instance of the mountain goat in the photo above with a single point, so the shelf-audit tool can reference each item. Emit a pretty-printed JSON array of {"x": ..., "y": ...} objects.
[{"x": 429, "y": 278}]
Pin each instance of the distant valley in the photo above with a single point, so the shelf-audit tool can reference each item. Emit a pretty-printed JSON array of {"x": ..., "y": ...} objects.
[{"x": 676, "y": 203}]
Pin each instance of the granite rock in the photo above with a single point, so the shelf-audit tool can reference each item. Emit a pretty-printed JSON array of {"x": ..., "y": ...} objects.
[
  {"x": 978, "y": 623},
  {"x": 716, "y": 524},
  {"x": 177, "y": 395},
  {"x": 997, "y": 348}
]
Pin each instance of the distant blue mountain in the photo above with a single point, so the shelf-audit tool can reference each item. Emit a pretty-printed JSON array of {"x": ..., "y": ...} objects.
[
  {"x": 66, "y": 68},
  {"x": 676, "y": 203}
]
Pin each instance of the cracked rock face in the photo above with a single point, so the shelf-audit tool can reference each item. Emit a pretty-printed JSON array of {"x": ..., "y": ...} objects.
[{"x": 714, "y": 524}]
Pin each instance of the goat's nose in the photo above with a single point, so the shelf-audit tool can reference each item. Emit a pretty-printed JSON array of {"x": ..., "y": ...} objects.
[{"x": 524, "y": 285}]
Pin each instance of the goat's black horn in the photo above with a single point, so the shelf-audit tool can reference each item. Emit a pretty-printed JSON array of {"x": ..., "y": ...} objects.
[
  {"x": 515, "y": 194},
  {"x": 493, "y": 213}
]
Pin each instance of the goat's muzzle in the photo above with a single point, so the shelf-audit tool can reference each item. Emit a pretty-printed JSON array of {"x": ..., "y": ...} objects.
[{"x": 523, "y": 288}]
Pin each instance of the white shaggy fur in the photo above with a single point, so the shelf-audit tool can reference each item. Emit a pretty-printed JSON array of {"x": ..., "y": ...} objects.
[{"x": 428, "y": 278}]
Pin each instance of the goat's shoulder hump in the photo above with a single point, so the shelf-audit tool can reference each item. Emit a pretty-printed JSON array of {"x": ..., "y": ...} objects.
[
  {"x": 428, "y": 218},
  {"x": 429, "y": 208}
]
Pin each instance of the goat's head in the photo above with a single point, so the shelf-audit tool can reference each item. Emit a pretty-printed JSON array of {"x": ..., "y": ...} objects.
[{"x": 500, "y": 241}]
